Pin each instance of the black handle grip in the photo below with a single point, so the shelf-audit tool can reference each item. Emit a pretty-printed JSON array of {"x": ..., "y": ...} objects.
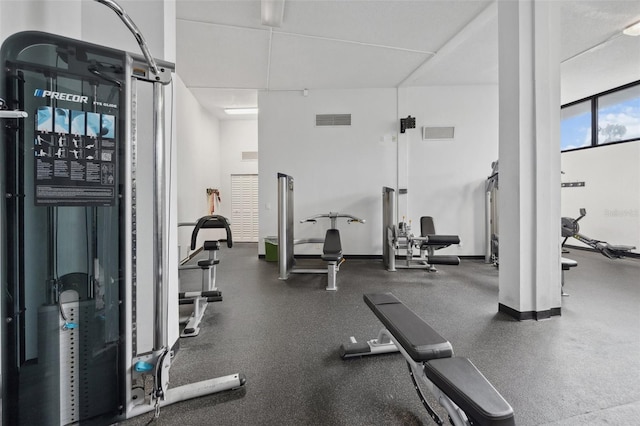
[{"x": 211, "y": 221}]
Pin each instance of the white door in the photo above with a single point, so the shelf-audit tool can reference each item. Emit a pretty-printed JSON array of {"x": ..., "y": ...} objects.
[{"x": 244, "y": 208}]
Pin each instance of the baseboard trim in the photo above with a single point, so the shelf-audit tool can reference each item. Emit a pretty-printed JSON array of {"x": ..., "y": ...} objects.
[
  {"x": 369, "y": 256},
  {"x": 529, "y": 315}
]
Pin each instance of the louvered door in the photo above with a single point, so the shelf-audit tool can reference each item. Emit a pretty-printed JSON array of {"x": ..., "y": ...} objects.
[{"x": 244, "y": 206}]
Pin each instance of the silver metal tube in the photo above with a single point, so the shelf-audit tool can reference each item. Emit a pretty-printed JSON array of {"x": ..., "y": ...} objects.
[
  {"x": 160, "y": 339},
  {"x": 111, "y": 4},
  {"x": 285, "y": 225},
  {"x": 190, "y": 391},
  {"x": 487, "y": 225},
  {"x": 388, "y": 225}
]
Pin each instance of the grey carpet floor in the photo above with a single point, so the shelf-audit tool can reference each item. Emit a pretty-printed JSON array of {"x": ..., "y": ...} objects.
[{"x": 579, "y": 368}]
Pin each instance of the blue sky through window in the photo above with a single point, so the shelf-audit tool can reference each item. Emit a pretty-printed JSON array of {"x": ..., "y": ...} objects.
[
  {"x": 575, "y": 131},
  {"x": 620, "y": 121}
]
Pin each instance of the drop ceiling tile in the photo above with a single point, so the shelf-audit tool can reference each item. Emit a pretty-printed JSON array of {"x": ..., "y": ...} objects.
[
  {"x": 221, "y": 56},
  {"x": 308, "y": 62}
]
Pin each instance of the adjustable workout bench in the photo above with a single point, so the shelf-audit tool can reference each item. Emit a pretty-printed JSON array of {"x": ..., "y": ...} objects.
[
  {"x": 332, "y": 254},
  {"x": 455, "y": 382},
  {"x": 209, "y": 293}
]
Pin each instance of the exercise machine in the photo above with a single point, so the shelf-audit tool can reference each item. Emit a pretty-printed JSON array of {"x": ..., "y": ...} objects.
[
  {"x": 571, "y": 229},
  {"x": 332, "y": 245},
  {"x": 458, "y": 386},
  {"x": 491, "y": 216},
  {"x": 199, "y": 300},
  {"x": 88, "y": 330},
  {"x": 399, "y": 239}
]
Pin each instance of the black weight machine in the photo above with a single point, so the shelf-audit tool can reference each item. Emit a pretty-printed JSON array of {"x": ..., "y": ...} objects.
[
  {"x": 209, "y": 292},
  {"x": 398, "y": 238}
]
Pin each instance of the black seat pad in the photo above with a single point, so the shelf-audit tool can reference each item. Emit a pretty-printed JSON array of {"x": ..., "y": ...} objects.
[
  {"x": 465, "y": 385},
  {"x": 445, "y": 240},
  {"x": 443, "y": 260},
  {"x": 210, "y": 245},
  {"x": 568, "y": 263},
  {"x": 332, "y": 249},
  {"x": 420, "y": 341},
  {"x": 207, "y": 263}
]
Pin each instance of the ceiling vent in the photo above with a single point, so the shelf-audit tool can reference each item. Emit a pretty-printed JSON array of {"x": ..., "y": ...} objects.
[
  {"x": 333, "y": 119},
  {"x": 435, "y": 133}
]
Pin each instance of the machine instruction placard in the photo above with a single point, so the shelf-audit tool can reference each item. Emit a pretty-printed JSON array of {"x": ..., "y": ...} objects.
[{"x": 75, "y": 157}]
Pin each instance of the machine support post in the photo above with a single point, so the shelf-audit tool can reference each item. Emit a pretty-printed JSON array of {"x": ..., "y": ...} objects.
[{"x": 160, "y": 338}]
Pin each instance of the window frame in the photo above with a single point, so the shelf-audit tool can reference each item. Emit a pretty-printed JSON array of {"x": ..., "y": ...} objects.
[{"x": 593, "y": 100}]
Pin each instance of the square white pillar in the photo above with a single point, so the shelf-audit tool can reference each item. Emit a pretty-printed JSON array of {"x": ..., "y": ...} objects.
[{"x": 529, "y": 152}]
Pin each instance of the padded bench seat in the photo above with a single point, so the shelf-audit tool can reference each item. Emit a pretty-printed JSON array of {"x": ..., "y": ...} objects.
[
  {"x": 208, "y": 263},
  {"x": 464, "y": 384},
  {"x": 443, "y": 260},
  {"x": 568, "y": 263},
  {"x": 420, "y": 341},
  {"x": 456, "y": 377},
  {"x": 332, "y": 249}
]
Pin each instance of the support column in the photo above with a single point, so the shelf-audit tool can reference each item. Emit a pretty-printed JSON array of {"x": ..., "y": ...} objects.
[{"x": 529, "y": 152}]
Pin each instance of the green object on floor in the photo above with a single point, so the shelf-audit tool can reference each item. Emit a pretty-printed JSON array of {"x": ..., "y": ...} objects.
[{"x": 271, "y": 249}]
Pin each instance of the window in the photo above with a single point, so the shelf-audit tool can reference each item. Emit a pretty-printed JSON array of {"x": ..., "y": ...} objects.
[
  {"x": 575, "y": 126},
  {"x": 609, "y": 117},
  {"x": 619, "y": 116}
]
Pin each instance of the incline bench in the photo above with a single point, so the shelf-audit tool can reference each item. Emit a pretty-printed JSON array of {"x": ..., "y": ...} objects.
[
  {"x": 332, "y": 254},
  {"x": 455, "y": 382}
]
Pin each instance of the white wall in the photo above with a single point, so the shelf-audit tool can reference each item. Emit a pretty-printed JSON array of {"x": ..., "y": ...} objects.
[
  {"x": 236, "y": 136},
  {"x": 102, "y": 26},
  {"x": 611, "y": 193},
  {"x": 340, "y": 169},
  {"x": 198, "y": 161},
  {"x": 40, "y": 15},
  {"x": 344, "y": 169},
  {"x": 446, "y": 178}
]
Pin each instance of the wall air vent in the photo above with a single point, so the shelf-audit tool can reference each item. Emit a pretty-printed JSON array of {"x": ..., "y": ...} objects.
[
  {"x": 333, "y": 119},
  {"x": 435, "y": 133},
  {"x": 249, "y": 155}
]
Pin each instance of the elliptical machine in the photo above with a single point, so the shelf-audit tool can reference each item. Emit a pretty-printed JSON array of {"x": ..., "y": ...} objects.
[{"x": 570, "y": 228}]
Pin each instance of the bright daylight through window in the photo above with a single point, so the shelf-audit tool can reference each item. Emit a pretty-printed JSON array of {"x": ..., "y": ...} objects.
[{"x": 617, "y": 119}]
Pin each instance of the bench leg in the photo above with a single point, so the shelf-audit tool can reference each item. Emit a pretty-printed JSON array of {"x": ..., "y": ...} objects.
[
  {"x": 332, "y": 272},
  {"x": 192, "y": 328},
  {"x": 562, "y": 293},
  {"x": 380, "y": 345},
  {"x": 421, "y": 383}
]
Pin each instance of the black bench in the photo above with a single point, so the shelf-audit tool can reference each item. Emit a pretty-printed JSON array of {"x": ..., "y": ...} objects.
[
  {"x": 332, "y": 248},
  {"x": 332, "y": 253},
  {"x": 430, "y": 358}
]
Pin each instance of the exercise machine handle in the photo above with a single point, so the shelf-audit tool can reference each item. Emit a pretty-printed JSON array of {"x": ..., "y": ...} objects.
[
  {"x": 333, "y": 216},
  {"x": 212, "y": 221},
  {"x": 583, "y": 213},
  {"x": 126, "y": 19}
]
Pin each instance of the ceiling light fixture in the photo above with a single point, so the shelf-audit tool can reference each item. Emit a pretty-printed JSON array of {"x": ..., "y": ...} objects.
[
  {"x": 272, "y": 12},
  {"x": 241, "y": 111},
  {"x": 632, "y": 30}
]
